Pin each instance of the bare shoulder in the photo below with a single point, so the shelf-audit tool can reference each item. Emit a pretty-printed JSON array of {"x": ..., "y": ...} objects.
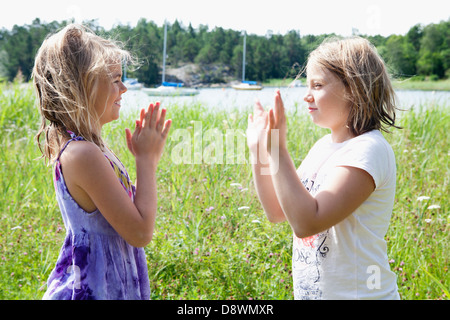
[
  {"x": 83, "y": 158},
  {"x": 81, "y": 152},
  {"x": 84, "y": 168}
]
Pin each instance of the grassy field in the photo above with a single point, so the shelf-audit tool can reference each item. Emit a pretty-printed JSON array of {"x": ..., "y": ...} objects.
[
  {"x": 430, "y": 85},
  {"x": 212, "y": 240}
]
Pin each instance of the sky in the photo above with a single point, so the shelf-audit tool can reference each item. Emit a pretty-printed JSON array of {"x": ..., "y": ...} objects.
[{"x": 384, "y": 17}]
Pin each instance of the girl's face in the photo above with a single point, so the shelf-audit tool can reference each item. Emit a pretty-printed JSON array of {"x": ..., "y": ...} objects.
[
  {"x": 327, "y": 103},
  {"x": 109, "y": 95}
]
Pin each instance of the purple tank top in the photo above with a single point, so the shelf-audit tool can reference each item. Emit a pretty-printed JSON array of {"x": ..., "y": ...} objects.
[{"x": 95, "y": 262}]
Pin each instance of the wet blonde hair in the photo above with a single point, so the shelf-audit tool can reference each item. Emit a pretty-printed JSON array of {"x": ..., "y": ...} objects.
[
  {"x": 66, "y": 75},
  {"x": 369, "y": 89}
]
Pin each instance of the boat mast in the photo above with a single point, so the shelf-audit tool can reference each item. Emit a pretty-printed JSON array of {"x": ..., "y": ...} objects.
[
  {"x": 164, "y": 53},
  {"x": 124, "y": 63},
  {"x": 243, "y": 59}
]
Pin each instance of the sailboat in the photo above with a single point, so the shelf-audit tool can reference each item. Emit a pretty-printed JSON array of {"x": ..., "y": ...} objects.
[
  {"x": 169, "y": 88},
  {"x": 246, "y": 85}
]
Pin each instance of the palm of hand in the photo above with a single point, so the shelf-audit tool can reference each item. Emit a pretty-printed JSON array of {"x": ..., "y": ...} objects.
[
  {"x": 257, "y": 132},
  {"x": 150, "y": 133}
]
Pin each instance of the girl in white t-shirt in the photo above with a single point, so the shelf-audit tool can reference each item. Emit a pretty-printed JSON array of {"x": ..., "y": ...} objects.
[{"x": 339, "y": 201}]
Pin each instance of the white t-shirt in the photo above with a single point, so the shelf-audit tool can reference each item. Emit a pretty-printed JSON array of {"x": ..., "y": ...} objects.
[{"x": 349, "y": 260}]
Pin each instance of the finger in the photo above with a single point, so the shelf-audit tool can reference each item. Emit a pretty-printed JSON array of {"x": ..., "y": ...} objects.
[
  {"x": 157, "y": 104},
  {"x": 258, "y": 108},
  {"x": 281, "y": 100},
  {"x": 129, "y": 138},
  {"x": 271, "y": 121},
  {"x": 160, "y": 123},
  {"x": 166, "y": 129},
  {"x": 250, "y": 118},
  {"x": 265, "y": 119},
  {"x": 155, "y": 115},
  {"x": 279, "y": 107},
  {"x": 147, "y": 115},
  {"x": 137, "y": 129},
  {"x": 142, "y": 115}
]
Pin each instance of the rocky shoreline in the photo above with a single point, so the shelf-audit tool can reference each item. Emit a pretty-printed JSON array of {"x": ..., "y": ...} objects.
[{"x": 193, "y": 75}]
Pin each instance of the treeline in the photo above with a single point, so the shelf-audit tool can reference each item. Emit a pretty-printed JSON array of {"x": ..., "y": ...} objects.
[{"x": 423, "y": 52}]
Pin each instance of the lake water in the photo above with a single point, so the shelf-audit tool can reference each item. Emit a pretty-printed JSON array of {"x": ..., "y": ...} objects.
[{"x": 229, "y": 98}]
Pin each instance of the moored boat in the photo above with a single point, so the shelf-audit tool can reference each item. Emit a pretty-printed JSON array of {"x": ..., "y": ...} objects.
[
  {"x": 247, "y": 85},
  {"x": 169, "y": 88}
]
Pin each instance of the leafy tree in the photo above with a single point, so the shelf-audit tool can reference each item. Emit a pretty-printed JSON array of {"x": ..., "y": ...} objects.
[
  {"x": 3, "y": 63},
  {"x": 423, "y": 50},
  {"x": 401, "y": 55},
  {"x": 433, "y": 49},
  {"x": 414, "y": 36},
  {"x": 144, "y": 41}
]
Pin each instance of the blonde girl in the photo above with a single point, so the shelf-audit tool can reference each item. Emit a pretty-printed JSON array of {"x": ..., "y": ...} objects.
[
  {"x": 108, "y": 220},
  {"x": 339, "y": 201}
]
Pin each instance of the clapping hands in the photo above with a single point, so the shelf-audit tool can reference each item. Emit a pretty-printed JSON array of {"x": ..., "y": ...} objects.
[
  {"x": 150, "y": 133},
  {"x": 266, "y": 130}
]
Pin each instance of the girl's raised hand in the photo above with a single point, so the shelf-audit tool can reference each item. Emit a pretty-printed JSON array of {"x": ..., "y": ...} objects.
[
  {"x": 150, "y": 134},
  {"x": 257, "y": 131},
  {"x": 128, "y": 134},
  {"x": 277, "y": 121}
]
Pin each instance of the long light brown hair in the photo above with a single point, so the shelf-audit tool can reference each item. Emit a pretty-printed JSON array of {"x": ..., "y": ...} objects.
[
  {"x": 362, "y": 70},
  {"x": 66, "y": 74}
]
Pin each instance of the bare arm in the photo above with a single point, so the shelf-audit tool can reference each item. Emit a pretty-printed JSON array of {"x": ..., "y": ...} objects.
[
  {"x": 348, "y": 188},
  {"x": 91, "y": 178},
  {"x": 309, "y": 215},
  {"x": 256, "y": 140}
]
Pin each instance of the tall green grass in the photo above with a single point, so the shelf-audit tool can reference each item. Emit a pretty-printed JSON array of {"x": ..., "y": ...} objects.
[{"x": 212, "y": 240}]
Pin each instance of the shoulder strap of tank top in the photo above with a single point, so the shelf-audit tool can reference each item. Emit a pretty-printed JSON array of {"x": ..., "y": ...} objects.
[{"x": 73, "y": 137}]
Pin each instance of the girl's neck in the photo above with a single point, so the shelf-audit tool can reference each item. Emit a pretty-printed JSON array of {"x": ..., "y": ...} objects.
[
  {"x": 341, "y": 135},
  {"x": 98, "y": 132}
]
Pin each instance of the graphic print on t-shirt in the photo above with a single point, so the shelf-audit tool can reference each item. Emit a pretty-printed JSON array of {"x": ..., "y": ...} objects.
[
  {"x": 308, "y": 254},
  {"x": 307, "y": 257}
]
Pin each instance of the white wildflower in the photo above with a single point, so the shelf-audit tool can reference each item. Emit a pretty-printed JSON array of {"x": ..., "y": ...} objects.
[
  {"x": 421, "y": 198},
  {"x": 434, "y": 206},
  {"x": 243, "y": 208}
]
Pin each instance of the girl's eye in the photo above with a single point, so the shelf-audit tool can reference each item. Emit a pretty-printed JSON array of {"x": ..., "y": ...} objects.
[{"x": 317, "y": 85}]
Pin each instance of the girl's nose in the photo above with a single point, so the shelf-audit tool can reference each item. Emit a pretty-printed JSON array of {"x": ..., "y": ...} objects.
[
  {"x": 308, "y": 97},
  {"x": 123, "y": 88}
]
